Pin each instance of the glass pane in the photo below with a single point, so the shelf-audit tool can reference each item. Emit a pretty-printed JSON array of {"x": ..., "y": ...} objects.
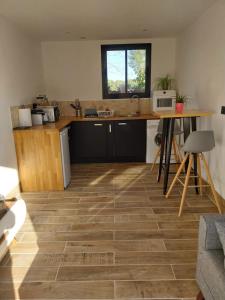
[
  {"x": 116, "y": 71},
  {"x": 136, "y": 71}
]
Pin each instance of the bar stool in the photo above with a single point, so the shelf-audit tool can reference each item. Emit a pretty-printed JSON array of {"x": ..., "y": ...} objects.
[
  {"x": 176, "y": 149},
  {"x": 196, "y": 143}
]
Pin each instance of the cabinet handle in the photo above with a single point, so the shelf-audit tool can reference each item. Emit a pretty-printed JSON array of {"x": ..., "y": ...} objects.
[
  {"x": 98, "y": 124},
  {"x": 110, "y": 128},
  {"x": 122, "y": 124}
]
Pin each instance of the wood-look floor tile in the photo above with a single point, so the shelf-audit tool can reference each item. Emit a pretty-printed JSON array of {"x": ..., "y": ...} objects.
[
  {"x": 187, "y": 271},
  {"x": 146, "y": 203},
  {"x": 183, "y": 244},
  {"x": 39, "y": 247},
  {"x": 67, "y": 236},
  {"x": 36, "y": 260},
  {"x": 34, "y": 195},
  {"x": 156, "y": 234},
  {"x": 131, "y": 193},
  {"x": 156, "y": 289},
  {"x": 95, "y": 199},
  {"x": 70, "y": 219},
  {"x": 178, "y": 225},
  {"x": 29, "y": 227},
  {"x": 111, "y": 227},
  {"x": 90, "y": 212},
  {"x": 58, "y": 290},
  {"x": 93, "y": 205},
  {"x": 59, "y": 200},
  {"x": 115, "y": 246},
  {"x": 115, "y": 226},
  {"x": 116, "y": 273},
  {"x": 71, "y": 259},
  {"x": 24, "y": 274},
  {"x": 202, "y": 210},
  {"x": 154, "y": 217},
  {"x": 164, "y": 257},
  {"x": 199, "y": 202}
]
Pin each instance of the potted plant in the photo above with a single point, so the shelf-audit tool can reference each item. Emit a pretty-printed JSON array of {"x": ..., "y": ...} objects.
[
  {"x": 164, "y": 83},
  {"x": 180, "y": 99}
]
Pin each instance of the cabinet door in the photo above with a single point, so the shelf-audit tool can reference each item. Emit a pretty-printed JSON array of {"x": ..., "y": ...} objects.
[
  {"x": 89, "y": 141},
  {"x": 130, "y": 140}
]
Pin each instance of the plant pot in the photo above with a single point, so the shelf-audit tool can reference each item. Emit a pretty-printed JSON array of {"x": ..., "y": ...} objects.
[{"x": 179, "y": 108}]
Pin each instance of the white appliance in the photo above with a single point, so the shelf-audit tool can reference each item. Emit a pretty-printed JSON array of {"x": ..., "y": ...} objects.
[
  {"x": 64, "y": 141},
  {"x": 37, "y": 119},
  {"x": 164, "y": 100},
  {"x": 25, "y": 117},
  {"x": 52, "y": 112},
  {"x": 152, "y": 148}
]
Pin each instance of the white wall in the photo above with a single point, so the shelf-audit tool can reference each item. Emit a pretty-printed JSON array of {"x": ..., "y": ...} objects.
[
  {"x": 20, "y": 81},
  {"x": 201, "y": 74},
  {"x": 73, "y": 69}
]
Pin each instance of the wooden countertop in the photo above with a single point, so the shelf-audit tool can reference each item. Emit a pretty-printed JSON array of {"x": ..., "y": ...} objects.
[
  {"x": 186, "y": 114},
  {"x": 65, "y": 121}
]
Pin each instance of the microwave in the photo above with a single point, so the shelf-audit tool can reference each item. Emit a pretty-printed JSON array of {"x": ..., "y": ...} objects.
[
  {"x": 164, "y": 100},
  {"x": 52, "y": 112}
]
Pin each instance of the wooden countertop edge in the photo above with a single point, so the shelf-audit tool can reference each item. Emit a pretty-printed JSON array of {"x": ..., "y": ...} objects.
[
  {"x": 186, "y": 113},
  {"x": 65, "y": 121}
]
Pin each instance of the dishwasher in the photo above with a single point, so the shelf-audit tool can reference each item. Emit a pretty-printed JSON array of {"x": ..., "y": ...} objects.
[{"x": 65, "y": 152}]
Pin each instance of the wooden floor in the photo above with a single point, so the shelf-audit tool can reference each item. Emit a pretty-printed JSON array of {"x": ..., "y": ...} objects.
[{"x": 111, "y": 235}]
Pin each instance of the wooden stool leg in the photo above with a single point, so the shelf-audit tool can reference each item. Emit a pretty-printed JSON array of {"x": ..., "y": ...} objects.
[
  {"x": 175, "y": 152},
  {"x": 186, "y": 184},
  {"x": 199, "y": 173},
  {"x": 211, "y": 183},
  {"x": 176, "y": 176},
  {"x": 155, "y": 159}
]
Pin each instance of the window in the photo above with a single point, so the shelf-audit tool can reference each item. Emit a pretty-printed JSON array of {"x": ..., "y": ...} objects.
[{"x": 126, "y": 70}]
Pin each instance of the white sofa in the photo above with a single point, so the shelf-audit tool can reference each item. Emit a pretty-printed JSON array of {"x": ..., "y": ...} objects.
[{"x": 11, "y": 223}]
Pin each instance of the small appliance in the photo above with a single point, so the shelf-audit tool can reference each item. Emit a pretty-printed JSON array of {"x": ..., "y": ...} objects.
[
  {"x": 37, "y": 119},
  {"x": 52, "y": 112},
  {"x": 25, "y": 117},
  {"x": 105, "y": 113},
  {"x": 37, "y": 115},
  {"x": 164, "y": 100},
  {"x": 90, "y": 113}
]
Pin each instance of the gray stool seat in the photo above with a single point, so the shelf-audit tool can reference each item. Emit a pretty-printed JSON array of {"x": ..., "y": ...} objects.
[
  {"x": 199, "y": 141},
  {"x": 177, "y": 129}
]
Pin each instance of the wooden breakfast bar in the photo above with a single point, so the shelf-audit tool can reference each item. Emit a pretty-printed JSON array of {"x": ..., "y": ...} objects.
[{"x": 189, "y": 118}]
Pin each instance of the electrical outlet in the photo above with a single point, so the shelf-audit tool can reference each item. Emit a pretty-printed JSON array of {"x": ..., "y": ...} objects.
[{"x": 223, "y": 110}]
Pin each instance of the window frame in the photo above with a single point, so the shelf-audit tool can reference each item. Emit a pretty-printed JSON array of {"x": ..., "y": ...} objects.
[{"x": 145, "y": 46}]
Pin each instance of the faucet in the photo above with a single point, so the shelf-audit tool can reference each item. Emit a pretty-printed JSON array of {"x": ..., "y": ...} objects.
[{"x": 138, "y": 103}]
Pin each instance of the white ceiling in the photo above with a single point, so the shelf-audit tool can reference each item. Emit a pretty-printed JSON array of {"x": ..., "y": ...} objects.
[{"x": 102, "y": 19}]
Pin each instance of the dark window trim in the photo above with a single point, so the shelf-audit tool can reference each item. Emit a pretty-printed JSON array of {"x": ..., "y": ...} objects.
[{"x": 104, "y": 49}]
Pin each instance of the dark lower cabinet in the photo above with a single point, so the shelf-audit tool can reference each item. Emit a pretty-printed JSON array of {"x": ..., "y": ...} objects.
[
  {"x": 130, "y": 140},
  {"x": 89, "y": 141},
  {"x": 105, "y": 141}
]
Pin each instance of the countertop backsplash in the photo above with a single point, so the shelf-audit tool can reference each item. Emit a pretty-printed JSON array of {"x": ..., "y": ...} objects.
[{"x": 120, "y": 107}]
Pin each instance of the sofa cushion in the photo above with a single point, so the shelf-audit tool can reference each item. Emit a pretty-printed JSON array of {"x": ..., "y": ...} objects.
[
  {"x": 208, "y": 236},
  {"x": 220, "y": 227},
  {"x": 210, "y": 270}
]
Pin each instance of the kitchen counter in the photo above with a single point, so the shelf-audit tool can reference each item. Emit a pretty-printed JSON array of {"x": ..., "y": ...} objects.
[{"x": 65, "y": 121}]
